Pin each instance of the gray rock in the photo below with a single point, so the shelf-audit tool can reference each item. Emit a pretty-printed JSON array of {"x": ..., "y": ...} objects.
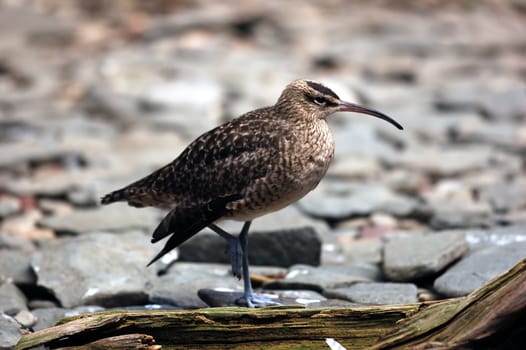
[
  {"x": 15, "y": 266},
  {"x": 446, "y": 161},
  {"x": 47, "y": 317},
  {"x": 9, "y": 206},
  {"x": 304, "y": 297},
  {"x": 325, "y": 277},
  {"x": 25, "y": 318},
  {"x": 116, "y": 217},
  {"x": 332, "y": 303},
  {"x": 364, "y": 250},
  {"x": 22, "y": 153},
  {"x": 505, "y": 196},
  {"x": 12, "y": 300},
  {"x": 10, "y": 332},
  {"x": 417, "y": 256},
  {"x": 340, "y": 200},
  {"x": 182, "y": 282},
  {"x": 376, "y": 293},
  {"x": 456, "y": 215},
  {"x": 478, "y": 268},
  {"x": 102, "y": 269},
  {"x": 8, "y": 241},
  {"x": 274, "y": 248}
]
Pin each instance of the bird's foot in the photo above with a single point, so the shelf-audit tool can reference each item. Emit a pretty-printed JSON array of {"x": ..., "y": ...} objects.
[
  {"x": 258, "y": 300},
  {"x": 236, "y": 256}
]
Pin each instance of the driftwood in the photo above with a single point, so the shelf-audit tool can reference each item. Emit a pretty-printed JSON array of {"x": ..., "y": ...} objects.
[{"x": 452, "y": 323}]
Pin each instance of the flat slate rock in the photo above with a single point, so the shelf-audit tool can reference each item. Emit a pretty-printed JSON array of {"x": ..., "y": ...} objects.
[
  {"x": 102, "y": 269},
  {"x": 12, "y": 300},
  {"x": 376, "y": 293},
  {"x": 10, "y": 332},
  {"x": 284, "y": 248},
  {"x": 417, "y": 256},
  {"x": 181, "y": 284},
  {"x": 478, "y": 268},
  {"x": 115, "y": 217},
  {"x": 326, "y": 277},
  {"x": 15, "y": 266}
]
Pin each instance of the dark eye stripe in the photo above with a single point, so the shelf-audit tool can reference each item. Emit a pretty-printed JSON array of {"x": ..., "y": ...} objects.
[{"x": 322, "y": 89}]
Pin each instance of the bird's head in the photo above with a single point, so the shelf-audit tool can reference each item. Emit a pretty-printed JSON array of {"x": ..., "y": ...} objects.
[{"x": 312, "y": 99}]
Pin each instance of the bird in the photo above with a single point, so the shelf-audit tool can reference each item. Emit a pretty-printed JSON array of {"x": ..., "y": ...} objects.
[{"x": 250, "y": 166}]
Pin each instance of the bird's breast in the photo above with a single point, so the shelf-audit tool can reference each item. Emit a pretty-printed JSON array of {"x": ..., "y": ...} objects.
[{"x": 303, "y": 157}]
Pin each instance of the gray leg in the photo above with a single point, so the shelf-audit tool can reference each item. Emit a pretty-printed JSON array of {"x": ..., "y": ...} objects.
[
  {"x": 236, "y": 252},
  {"x": 249, "y": 298}
]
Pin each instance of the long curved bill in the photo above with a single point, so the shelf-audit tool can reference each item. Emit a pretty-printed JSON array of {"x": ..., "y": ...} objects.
[{"x": 351, "y": 107}]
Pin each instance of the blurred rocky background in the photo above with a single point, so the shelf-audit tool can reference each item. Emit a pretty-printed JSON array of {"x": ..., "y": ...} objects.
[{"x": 95, "y": 94}]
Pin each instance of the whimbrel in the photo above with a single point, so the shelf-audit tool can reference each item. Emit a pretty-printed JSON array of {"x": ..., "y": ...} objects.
[{"x": 258, "y": 163}]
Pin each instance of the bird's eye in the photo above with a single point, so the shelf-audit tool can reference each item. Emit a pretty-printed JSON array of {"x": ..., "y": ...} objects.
[{"x": 320, "y": 100}]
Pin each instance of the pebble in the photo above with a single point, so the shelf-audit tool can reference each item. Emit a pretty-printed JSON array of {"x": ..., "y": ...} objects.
[{"x": 26, "y": 318}]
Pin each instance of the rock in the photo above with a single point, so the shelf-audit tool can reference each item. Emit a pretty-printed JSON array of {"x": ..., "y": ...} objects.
[
  {"x": 25, "y": 318},
  {"x": 14, "y": 242},
  {"x": 478, "y": 268},
  {"x": 340, "y": 200},
  {"x": 24, "y": 226},
  {"x": 376, "y": 293},
  {"x": 422, "y": 255},
  {"x": 325, "y": 277},
  {"x": 456, "y": 215},
  {"x": 23, "y": 153},
  {"x": 116, "y": 217},
  {"x": 453, "y": 161},
  {"x": 364, "y": 250},
  {"x": 274, "y": 248},
  {"x": 9, "y": 206},
  {"x": 12, "y": 300},
  {"x": 505, "y": 196},
  {"x": 103, "y": 269},
  {"x": 180, "y": 285},
  {"x": 15, "y": 266},
  {"x": 47, "y": 317},
  {"x": 10, "y": 332}
]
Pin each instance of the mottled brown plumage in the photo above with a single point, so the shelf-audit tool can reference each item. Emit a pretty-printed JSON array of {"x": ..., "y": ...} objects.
[{"x": 250, "y": 166}]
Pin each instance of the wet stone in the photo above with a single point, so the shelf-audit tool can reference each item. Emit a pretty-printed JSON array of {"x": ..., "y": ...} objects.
[
  {"x": 12, "y": 300},
  {"x": 326, "y": 277},
  {"x": 483, "y": 238},
  {"x": 117, "y": 276},
  {"x": 116, "y": 217},
  {"x": 376, "y": 293},
  {"x": 478, "y": 268},
  {"x": 422, "y": 255}
]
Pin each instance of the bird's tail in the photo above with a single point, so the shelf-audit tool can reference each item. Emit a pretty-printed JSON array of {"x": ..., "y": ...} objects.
[{"x": 115, "y": 196}]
